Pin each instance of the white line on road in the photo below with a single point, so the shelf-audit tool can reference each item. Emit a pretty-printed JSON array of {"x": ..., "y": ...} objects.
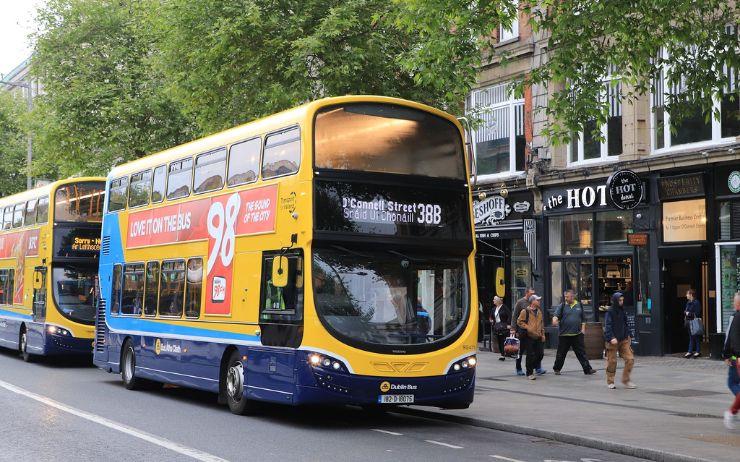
[
  {"x": 444, "y": 444},
  {"x": 386, "y": 432},
  {"x": 167, "y": 444},
  {"x": 505, "y": 458}
]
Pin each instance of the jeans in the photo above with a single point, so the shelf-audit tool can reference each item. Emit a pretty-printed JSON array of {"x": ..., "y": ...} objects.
[
  {"x": 695, "y": 343},
  {"x": 535, "y": 352},
  {"x": 565, "y": 343},
  {"x": 733, "y": 383}
]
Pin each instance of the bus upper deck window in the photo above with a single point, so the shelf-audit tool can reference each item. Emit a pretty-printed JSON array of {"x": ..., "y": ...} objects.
[
  {"x": 79, "y": 202},
  {"x": 210, "y": 169},
  {"x": 282, "y": 153},
  {"x": 244, "y": 162},
  {"x": 118, "y": 194},
  {"x": 179, "y": 179},
  {"x": 138, "y": 191},
  {"x": 30, "y": 218},
  {"x": 8, "y": 218},
  {"x": 42, "y": 210},
  {"x": 18, "y": 215},
  {"x": 158, "y": 184}
]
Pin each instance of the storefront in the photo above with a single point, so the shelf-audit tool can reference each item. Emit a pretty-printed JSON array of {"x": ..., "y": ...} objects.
[
  {"x": 506, "y": 244},
  {"x": 727, "y": 247}
]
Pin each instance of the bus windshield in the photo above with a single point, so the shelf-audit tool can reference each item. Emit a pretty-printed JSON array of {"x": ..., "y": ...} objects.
[
  {"x": 385, "y": 298},
  {"x": 80, "y": 202},
  {"x": 387, "y": 138},
  {"x": 74, "y": 292}
]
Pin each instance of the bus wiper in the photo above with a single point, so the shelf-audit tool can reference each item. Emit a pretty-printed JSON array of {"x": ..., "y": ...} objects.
[
  {"x": 404, "y": 256},
  {"x": 351, "y": 252}
]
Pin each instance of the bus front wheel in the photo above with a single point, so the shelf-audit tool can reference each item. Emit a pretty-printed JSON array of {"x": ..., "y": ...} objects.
[
  {"x": 128, "y": 367},
  {"x": 23, "y": 346},
  {"x": 234, "y": 386}
]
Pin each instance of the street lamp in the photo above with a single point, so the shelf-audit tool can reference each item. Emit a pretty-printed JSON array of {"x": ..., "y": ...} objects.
[{"x": 29, "y": 153}]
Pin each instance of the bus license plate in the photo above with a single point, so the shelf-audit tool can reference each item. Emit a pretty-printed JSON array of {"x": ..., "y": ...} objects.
[{"x": 396, "y": 399}]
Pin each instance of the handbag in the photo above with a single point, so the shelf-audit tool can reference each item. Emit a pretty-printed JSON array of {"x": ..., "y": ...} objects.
[
  {"x": 500, "y": 328},
  {"x": 696, "y": 327},
  {"x": 511, "y": 346}
]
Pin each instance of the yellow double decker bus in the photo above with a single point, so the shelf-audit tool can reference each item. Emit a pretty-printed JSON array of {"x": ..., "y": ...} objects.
[
  {"x": 320, "y": 255},
  {"x": 49, "y": 247}
]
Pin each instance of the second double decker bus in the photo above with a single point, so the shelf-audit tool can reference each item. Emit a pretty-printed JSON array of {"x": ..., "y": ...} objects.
[
  {"x": 49, "y": 246},
  {"x": 320, "y": 255}
]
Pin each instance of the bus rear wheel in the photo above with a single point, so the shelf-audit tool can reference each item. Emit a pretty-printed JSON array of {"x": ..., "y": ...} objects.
[
  {"x": 128, "y": 367},
  {"x": 23, "y": 346},
  {"x": 234, "y": 386}
]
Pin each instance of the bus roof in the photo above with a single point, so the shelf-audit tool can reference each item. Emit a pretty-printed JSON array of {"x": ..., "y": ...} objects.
[
  {"x": 44, "y": 190},
  {"x": 284, "y": 119}
]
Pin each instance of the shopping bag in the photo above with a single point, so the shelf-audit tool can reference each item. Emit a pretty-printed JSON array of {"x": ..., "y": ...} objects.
[
  {"x": 511, "y": 346},
  {"x": 696, "y": 327}
]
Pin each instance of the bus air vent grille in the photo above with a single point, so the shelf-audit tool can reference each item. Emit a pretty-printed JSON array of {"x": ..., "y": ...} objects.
[
  {"x": 399, "y": 366},
  {"x": 100, "y": 326},
  {"x": 105, "y": 246}
]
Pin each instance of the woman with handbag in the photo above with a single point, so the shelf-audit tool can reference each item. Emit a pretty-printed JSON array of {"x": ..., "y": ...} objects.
[
  {"x": 692, "y": 316},
  {"x": 501, "y": 322}
]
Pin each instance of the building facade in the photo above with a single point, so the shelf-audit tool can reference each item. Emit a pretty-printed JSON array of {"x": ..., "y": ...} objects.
[{"x": 682, "y": 232}]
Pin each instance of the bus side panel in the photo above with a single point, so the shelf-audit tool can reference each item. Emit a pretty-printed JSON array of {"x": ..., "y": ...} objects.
[
  {"x": 10, "y": 332},
  {"x": 36, "y": 338},
  {"x": 270, "y": 375}
]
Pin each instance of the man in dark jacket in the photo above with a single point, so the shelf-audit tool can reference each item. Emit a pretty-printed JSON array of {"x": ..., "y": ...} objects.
[
  {"x": 617, "y": 338},
  {"x": 571, "y": 322},
  {"x": 730, "y": 353}
]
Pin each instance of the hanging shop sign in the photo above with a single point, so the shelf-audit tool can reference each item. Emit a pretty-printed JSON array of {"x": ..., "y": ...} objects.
[
  {"x": 625, "y": 189},
  {"x": 727, "y": 180},
  {"x": 681, "y": 186},
  {"x": 637, "y": 239},
  {"x": 495, "y": 209}
]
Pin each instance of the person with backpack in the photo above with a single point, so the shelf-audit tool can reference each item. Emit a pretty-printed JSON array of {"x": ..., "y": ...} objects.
[
  {"x": 532, "y": 334},
  {"x": 731, "y": 353},
  {"x": 571, "y": 322},
  {"x": 617, "y": 340}
]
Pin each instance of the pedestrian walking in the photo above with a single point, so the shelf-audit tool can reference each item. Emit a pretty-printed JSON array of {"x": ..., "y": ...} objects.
[
  {"x": 618, "y": 340},
  {"x": 571, "y": 322},
  {"x": 731, "y": 353},
  {"x": 532, "y": 334},
  {"x": 521, "y": 305},
  {"x": 501, "y": 324},
  {"x": 692, "y": 319}
]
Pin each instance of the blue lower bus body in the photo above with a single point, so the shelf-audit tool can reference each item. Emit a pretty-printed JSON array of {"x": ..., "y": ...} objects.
[
  {"x": 276, "y": 374},
  {"x": 40, "y": 341}
]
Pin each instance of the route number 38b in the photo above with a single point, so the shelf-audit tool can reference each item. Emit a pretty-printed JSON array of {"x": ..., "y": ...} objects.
[{"x": 428, "y": 214}]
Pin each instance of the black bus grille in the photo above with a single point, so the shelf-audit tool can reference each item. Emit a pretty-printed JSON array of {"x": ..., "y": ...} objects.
[
  {"x": 100, "y": 329},
  {"x": 105, "y": 245}
]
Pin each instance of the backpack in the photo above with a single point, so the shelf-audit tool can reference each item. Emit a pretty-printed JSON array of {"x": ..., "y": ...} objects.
[{"x": 520, "y": 331}]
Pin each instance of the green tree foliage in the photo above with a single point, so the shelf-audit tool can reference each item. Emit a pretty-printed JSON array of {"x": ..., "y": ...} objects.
[
  {"x": 103, "y": 103},
  {"x": 13, "y": 141}
]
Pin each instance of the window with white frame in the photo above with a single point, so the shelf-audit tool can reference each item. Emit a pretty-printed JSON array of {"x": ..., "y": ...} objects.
[
  {"x": 694, "y": 127},
  {"x": 498, "y": 142},
  {"x": 506, "y": 34},
  {"x": 586, "y": 146}
]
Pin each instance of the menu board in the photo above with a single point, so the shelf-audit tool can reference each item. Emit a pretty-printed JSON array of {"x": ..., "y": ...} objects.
[{"x": 729, "y": 262}]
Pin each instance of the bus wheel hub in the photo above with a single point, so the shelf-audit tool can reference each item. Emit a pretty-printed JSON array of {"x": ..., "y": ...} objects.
[{"x": 235, "y": 381}]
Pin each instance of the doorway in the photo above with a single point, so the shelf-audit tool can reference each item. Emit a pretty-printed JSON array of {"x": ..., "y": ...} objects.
[{"x": 678, "y": 277}]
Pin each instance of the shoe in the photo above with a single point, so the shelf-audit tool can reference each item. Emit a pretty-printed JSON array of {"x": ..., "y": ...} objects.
[
  {"x": 590, "y": 372},
  {"x": 630, "y": 385},
  {"x": 697, "y": 354},
  {"x": 541, "y": 371},
  {"x": 687, "y": 355},
  {"x": 556, "y": 372},
  {"x": 729, "y": 420},
  {"x": 611, "y": 386},
  {"x": 519, "y": 372},
  {"x": 501, "y": 358},
  {"x": 532, "y": 377}
]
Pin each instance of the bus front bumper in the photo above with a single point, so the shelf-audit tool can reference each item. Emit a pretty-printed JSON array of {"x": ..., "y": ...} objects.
[
  {"x": 55, "y": 344},
  {"x": 450, "y": 391}
]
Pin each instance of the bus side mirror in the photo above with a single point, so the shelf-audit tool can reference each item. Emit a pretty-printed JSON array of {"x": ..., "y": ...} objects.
[
  {"x": 38, "y": 280},
  {"x": 280, "y": 271}
]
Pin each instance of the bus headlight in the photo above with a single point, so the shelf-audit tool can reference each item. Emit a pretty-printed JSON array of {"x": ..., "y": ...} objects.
[
  {"x": 321, "y": 361},
  {"x": 463, "y": 364},
  {"x": 56, "y": 330}
]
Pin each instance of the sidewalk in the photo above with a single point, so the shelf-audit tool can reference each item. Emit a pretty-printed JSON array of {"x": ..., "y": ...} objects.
[{"x": 674, "y": 414}]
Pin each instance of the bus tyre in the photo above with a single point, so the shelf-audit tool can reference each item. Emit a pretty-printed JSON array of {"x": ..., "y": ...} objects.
[
  {"x": 128, "y": 367},
  {"x": 23, "y": 347},
  {"x": 234, "y": 386}
]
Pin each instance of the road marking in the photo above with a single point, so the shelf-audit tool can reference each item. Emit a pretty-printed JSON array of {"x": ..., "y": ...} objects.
[
  {"x": 386, "y": 432},
  {"x": 444, "y": 444},
  {"x": 167, "y": 444},
  {"x": 505, "y": 458}
]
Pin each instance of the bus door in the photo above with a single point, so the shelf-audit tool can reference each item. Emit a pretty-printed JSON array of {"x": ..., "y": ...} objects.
[{"x": 39, "y": 294}]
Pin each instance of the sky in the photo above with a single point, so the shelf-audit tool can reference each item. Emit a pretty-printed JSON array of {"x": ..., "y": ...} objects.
[{"x": 16, "y": 22}]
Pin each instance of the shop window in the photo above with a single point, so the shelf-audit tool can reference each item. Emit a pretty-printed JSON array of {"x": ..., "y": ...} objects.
[
  {"x": 158, "y": 184},
  {"x": 575, "y": 274},
  {"x": 210, "y": 169},
  {"x": 729, "y": 220},
  {"x": 571, "y": 235},
  {"x": 499, "y": 141},
  {"x": 172, "y": 288},
  {"x": 728, "y": 266},
  {"x": 194, "y": 288},
  {"x": 614, "y": 274},
  {"x": 244, "y": 162},
  {"x": 521, "y": 269},
  {"x": 556, "y": 284},
  {"x": 282, "y": 153},
  {"x": 132, "y": 296},
  {"x": 611, "y": 231},
  {"x": 151, "y": 292}
]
